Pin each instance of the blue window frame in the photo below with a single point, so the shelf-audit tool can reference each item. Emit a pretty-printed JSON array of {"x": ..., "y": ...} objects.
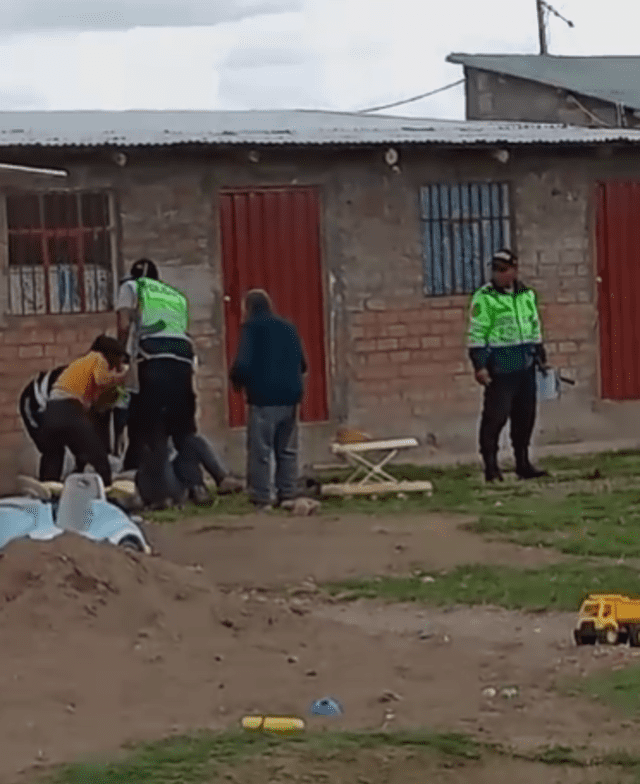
[{"x": 462, "y": 226}]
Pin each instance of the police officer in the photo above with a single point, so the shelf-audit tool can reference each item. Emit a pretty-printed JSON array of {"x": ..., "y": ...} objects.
[
  {"x": 153, "y": 320},
  {"x": 505, "y": 345}
]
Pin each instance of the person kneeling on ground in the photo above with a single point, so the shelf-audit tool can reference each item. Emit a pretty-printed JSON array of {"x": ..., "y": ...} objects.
[
  {"x": 90, "y": 381},
  {"x": 161, "y": 480}
]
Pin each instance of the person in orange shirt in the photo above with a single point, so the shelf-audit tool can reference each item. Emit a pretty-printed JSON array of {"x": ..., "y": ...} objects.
[{"x": 90, "y": 382}]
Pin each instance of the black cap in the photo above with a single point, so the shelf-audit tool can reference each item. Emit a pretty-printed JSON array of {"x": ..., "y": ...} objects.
[
  {"x": 144, "y": 268},
  {"x": 505, "y": 256}
]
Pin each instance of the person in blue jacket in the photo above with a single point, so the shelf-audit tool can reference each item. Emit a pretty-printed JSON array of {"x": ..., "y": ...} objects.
[{"x": 270, "y": 366}]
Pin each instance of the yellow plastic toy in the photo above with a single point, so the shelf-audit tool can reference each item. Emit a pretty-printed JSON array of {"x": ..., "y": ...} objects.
[
  {"x": 273, "y": 723},
  {"x": 609, "y": 618}
]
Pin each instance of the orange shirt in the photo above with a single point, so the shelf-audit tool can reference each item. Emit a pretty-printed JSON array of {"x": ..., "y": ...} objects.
[{"x": 86, "y": 378}]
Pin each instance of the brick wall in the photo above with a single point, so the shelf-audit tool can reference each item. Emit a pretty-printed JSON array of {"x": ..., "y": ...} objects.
[
  {"x": 27, "y": 346},
  {"x": 31, "y": 344},
  {"x": 557, "y": 260},
  {"x": 397, "y": 358},
  {"x": 409, "y": 360}
]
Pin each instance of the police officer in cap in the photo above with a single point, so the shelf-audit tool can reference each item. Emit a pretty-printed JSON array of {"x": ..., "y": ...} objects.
[
  {"x": 505, "y": 346},
  {"x": 153, "y": 319}
]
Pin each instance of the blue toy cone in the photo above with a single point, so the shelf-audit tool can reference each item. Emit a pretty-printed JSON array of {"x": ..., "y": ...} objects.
[{"x": 326, "y": 707}]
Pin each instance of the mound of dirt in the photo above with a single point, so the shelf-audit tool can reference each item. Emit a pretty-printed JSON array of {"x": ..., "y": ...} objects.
[{"x": 72, "y": 583}]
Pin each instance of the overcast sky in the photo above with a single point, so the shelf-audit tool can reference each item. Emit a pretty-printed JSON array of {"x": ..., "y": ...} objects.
[{"x": 275, "y": 54}]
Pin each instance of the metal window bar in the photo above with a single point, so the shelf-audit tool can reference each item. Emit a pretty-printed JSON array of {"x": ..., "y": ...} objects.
[
  {"x": 462, "y": 226},
  {"x": 40, "y": 284}
]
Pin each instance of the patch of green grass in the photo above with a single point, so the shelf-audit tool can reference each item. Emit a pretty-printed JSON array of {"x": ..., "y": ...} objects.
[
  {"x": 620, "y": 759},
  {"x": 556, "y": 587},
  {"x": 620, "y": 688},
  {"x": 543, "y": 512},
  {"x": 194, "y": 759},
  {"x": 611, "y": 463},
  {"x": 559, "y": 755},
  {"x": 607, "y": 524}
]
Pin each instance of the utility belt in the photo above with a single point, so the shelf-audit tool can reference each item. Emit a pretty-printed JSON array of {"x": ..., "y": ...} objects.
[
  {"x": 511, "y": 359},
  {"x": 166, "y": 348}
]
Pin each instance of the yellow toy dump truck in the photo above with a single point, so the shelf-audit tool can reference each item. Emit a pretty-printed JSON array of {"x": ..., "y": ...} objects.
[{"x": 609, "y": 618}]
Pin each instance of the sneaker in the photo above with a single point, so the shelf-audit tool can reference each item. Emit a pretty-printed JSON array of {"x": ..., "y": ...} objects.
[{"x": 230, "y": 485}]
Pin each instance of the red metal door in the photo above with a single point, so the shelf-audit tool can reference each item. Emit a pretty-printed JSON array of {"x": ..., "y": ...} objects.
[
  {"x": 618, "y": 240},
  {"x": 271, "y": 240}
]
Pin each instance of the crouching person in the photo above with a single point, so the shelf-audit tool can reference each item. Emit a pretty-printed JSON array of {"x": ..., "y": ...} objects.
[
  {"x": 88, "y": 382},
  {"x": 33, "y": 403},
  {"x": 162, "y": 481}
]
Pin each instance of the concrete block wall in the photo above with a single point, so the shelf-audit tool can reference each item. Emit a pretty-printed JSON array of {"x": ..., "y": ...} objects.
[
  {"x": 166, "y": 216},
  {"x": 493, "y": 96}
]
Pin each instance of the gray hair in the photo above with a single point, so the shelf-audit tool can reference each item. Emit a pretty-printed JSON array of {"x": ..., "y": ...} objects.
[{"x": 258, "y": 301}]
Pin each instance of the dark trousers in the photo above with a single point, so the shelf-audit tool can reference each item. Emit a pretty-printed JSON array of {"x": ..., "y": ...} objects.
[
  {"x": 197, "y": 452},
  {"x": 164, "y": 408},
  {"x": 42, "y": 440},
  {"x": 156, "y": 478},
  {"x": 167, "y": 409},
  {"x": 272, "y": 431},
  {"x": 66, "y": 424},
  {"x": 159, "y": 478},
  {"x": 509, "y": 396},
  {"x": 102, "y": 423}
]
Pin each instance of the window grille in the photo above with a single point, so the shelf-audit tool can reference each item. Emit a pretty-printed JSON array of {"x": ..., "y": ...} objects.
[
  {"x": 462, "y": 226},
  {"x": 60, "y": 253}
]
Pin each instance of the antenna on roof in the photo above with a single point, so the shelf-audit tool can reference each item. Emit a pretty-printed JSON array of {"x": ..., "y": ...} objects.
[{"x": 542, "y": 7}]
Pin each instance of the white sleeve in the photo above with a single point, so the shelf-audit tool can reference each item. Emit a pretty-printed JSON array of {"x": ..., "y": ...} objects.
[{"x": 127, "y": 296}]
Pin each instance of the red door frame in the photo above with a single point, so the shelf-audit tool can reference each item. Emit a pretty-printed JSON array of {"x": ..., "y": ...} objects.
[
  {"x": 316, "y": 354},
  {"x": 618, "y": 278}
]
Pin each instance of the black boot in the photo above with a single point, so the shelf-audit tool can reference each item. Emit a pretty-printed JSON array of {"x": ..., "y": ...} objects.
[
  {"x": 492, "y": 471},
  {"x": 524, "y": 469}
]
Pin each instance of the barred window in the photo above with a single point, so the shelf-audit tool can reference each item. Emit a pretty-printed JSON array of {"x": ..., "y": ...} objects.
[
  {"x": 60, "y": 253},
  {"x": 462, "y": 226}
]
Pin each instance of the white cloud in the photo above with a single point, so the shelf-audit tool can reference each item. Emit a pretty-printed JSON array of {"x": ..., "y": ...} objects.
[
  {"x": 40, "y": 15},
  {"x": 341, "y": 54}
]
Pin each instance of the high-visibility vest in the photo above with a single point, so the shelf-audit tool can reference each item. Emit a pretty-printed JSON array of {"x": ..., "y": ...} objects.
[
  {"x": 500, "y": 319},
  {"x": 163, "y": 309}
]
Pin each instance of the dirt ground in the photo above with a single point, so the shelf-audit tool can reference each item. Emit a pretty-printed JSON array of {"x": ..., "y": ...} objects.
[{"x": 101, "y": 646}]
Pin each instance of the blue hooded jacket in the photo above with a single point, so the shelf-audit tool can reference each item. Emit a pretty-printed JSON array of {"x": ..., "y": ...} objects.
[{"x": 270, "y": 362}]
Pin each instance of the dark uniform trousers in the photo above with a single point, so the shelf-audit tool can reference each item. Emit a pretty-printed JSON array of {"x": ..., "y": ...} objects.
[{"x": 508, "y": 396}]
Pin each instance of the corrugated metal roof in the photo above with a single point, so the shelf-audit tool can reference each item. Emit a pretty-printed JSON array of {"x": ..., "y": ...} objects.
[
  {"x": 612, "y": 79},
  {"x": 135, "y": 128}
]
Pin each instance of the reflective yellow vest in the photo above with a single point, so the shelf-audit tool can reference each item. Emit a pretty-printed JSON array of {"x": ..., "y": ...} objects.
[
  {"x": 164, "y": 311},
  {"x": 505, "y": 333}
]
